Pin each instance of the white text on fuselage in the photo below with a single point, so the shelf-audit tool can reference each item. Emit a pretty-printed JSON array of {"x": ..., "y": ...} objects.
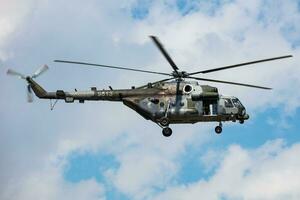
[{"x": 105, "y": 93}]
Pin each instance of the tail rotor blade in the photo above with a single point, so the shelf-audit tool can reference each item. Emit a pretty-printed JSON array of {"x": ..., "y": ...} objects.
[
  {"x": 29, "y": 94},
  {"x": 40, "y": 71},
  {"x": 14, "y": 73}
]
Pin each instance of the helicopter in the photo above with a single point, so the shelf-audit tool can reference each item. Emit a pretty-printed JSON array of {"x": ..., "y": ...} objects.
[{"x": 177, "y": 99}]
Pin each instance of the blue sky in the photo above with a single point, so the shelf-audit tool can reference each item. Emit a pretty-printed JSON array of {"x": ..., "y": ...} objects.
[{"x": 103, "y": 150}]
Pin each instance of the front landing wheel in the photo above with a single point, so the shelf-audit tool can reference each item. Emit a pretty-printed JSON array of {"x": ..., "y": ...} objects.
[
  {"x": 218, "y": 129},
  {"x": 167, "y": 132}
]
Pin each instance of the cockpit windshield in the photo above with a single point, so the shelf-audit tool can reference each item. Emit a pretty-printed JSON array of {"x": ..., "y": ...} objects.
[
  {"x": 228, "y": 103},
  {"x": 237, "y": 103}
]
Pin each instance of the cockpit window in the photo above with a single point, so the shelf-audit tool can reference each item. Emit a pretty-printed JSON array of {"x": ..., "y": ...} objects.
[
  {"x": 237, "y": 102},
  {"x": 228, "y": 103}
]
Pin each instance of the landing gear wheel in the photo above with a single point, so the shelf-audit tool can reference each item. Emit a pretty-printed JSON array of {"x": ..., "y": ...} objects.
[
  {"x": 167, "y": 132},
  {"x": 218, "y": 129},
  {"x": 164, "y": 121},
  {"x": 241, "y": 121}
]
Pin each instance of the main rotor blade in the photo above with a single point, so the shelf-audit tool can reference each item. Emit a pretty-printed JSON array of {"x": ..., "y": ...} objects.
[
  {"x": 40, "y": 71},
  {"x": 232, "y": 83},
  {"x": 164, "y": 52},
  {"x": 240, "y": 64},
  {"x": 14, "y": 73},
  {"x": 114, "y": 67},
  {"x": 164, "y": 80}
]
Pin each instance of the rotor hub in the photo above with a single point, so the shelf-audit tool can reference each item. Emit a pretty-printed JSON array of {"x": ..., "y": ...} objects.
[
  {"x": 180, "y": 74},
  {"x": 28, "y": 78}
]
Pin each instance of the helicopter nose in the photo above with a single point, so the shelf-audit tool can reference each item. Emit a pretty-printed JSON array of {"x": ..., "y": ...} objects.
[
  {"x": 246, "y": 117},
  {"x": 242, "y": 111}
]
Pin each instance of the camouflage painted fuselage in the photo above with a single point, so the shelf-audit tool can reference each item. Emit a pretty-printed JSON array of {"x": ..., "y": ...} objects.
[{"x": 179, "y": 101}]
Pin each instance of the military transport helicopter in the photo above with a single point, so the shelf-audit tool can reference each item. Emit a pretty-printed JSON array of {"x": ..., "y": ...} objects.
[{"x": 168, "y": 101}]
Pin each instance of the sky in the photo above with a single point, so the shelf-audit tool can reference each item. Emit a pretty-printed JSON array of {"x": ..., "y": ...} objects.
[{"x": 104, "y": 150}]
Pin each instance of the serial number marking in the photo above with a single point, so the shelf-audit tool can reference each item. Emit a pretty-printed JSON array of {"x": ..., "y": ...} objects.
[{"x": 105, "y": 94}]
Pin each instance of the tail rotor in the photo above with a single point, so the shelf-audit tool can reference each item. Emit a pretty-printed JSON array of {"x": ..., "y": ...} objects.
[{"x": 37, "y": 73}]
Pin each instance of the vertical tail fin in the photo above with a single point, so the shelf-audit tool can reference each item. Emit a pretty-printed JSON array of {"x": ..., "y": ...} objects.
[{"x": 37, "y": 89}]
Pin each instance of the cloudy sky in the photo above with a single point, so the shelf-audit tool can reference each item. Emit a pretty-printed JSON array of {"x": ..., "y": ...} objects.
[{"x": 103, "y": 150}]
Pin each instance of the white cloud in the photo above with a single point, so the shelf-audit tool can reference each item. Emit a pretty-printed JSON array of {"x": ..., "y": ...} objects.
[
  {"x": 269, "y": 172},
  {"x": 211, "y": 159},
  {"x": 47, "y": 183},
  {"x": 103, "y": 31},
  {"x": 140, "y": 174},
  {"x": 147, "y": 162},
  {"x": 12, "y": 16}
]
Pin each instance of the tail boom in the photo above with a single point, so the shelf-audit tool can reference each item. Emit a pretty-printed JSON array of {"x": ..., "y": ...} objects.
[{"x": 69, "y": 97}]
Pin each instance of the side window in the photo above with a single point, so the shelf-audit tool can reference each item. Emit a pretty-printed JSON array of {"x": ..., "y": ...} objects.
[{"x": 228, "y": 103}]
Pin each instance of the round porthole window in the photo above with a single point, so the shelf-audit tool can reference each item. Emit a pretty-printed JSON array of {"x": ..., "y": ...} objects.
[{"x": 187, "y": 88}]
